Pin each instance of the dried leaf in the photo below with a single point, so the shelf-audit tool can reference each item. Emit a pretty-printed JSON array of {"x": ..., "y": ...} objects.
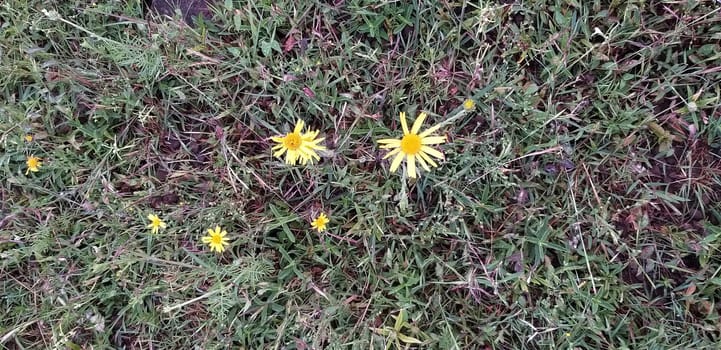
[
  {"x": 289, "y": 43},
  {"x": 408, "y": 340},
  {"x": 400, "y": 320}
]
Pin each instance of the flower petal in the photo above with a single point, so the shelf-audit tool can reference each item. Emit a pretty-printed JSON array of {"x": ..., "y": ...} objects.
[
  {"x": 314, "y": 140},
  {"x": 432, "y": 152},
  {"x": 423, "y": 162},
  {"x": 315, "y": 143},
  {"x": 412, "y": 166},
  {"x": 206, "y": 239},
  {"x": 299, "y": 126},
  {"x": 430, "y": 130},
  {"x": 306, "y": 153},
  {"x": 396, "y": 142},
  {"x": 291, "y": 157},
  {"x": 404, "y": 123},
  {"x": 428, "y": 159},
  {"x": 417, "y": 124},
  {"x": 396, "y": 161},
  {"x": 433, "y": 140},
  {"x": 309, "y": 135},
  {"x": 389, "y": 154}
]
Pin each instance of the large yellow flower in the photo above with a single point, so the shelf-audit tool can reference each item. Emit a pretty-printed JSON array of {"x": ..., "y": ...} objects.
[
  {"x": 414, "y": 146},
  {"x": 298, "y": 146},
  {"x": 216, "y": 239}
]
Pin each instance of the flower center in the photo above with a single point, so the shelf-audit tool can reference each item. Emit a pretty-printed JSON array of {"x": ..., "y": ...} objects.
[
  {"x": 33, "y": 162},
  {"x": 216, "y": 239},
  {"x": 411, "y": 144},
  {"x": 292, "y": 141}
]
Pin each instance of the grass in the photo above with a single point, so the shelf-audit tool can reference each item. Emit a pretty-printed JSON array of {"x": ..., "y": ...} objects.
[{"x": 577, "y": 208}]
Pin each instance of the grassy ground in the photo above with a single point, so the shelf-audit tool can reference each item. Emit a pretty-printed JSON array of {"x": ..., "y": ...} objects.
[{"x": 577, "y": 208}]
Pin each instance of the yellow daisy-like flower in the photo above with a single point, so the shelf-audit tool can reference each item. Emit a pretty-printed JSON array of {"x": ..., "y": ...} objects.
[
  {"x": 298, "y": 145},
  {"x": 414, "y": 146},
  {"x": 469, "y": 104},
  {"x": 33, "y": 164},
  {"x": 155, "y": 223},
  {"x": 28, "y": 138},
  {"x": 320, "y": 222},
  {"x": 216, "y": 239}
]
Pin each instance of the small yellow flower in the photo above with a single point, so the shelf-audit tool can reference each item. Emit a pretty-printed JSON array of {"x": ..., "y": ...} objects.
[
  {"x": 155, "y": 223},
  {"x": 33, "y": 164},
  {"x": 414, "y": 146},
  {"x": 468, "y": 104},
  {"x": 320, "y": 222},
  {"x": 28, "y": 138},
  {"x": 216, "y": 239},
  {"x": 297, "y": 145}
]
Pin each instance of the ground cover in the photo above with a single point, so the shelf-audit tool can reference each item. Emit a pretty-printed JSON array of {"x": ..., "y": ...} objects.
[{"x": 575, "y": 205}]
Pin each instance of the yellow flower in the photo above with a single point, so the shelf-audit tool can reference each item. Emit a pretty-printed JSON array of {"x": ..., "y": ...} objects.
[
  {"x": 216, "y": 239},
  {"x": 155, "y": 223},
  {"x": 320, "y": 222},
  {"x": 33, "y": 164},
  {"x": 297, "y": 145},
  {"x": 414, "y": 146},
  {"x": 468, "y": 104},
  {"x": 28, "y": 138}
]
